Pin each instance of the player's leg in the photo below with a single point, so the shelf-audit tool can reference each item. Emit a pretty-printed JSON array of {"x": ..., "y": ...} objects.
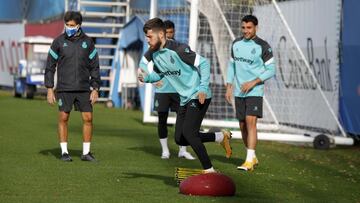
[
  {"x": 190, "y": 131},
  {"x": 244, "y": 133},
  {"x": 161, "y": 105},
  {"x": 83, "y": 104},
  {"x": 174, "y": 106},
  {"x": 180, "y": 118},
  {"x": 65, "y": 101},
  {"x": 163, "y": 134},
  {"x": 240, "y": 115},
  {"x": 188, "y": 121},
  {"x": 253, "y": 112},
  {"x": 63, "y": 119},
  {"x": 194, "y": 115}
]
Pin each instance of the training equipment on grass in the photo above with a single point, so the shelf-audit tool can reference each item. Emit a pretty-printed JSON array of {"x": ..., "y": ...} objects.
[
  {"x": 208, "y": 184},
  {"x": 183, "y": 173}
]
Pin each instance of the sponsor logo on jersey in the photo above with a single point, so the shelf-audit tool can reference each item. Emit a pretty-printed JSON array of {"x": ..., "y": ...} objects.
[
  {"x": 241, "y": 59},
  {"x": 171, "y": 73}
]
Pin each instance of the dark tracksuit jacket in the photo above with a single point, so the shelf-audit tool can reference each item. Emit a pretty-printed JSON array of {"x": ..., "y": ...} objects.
[{"x": 76, "y": 61}]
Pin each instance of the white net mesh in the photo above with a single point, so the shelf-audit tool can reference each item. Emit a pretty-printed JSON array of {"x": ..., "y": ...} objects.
[
  {"x": 293, "y": 98},
  {"x": 293, "y": 95}
]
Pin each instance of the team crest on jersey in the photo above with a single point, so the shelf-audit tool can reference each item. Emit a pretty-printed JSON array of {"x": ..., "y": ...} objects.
[
  {"x": 84, "y": 45},
  {"x": 65, "y": 44},
  {"x": 172, "y": 60},
  {"x": 253, "y": 51}
]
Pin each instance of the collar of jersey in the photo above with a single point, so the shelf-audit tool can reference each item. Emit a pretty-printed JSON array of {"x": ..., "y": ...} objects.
[{"x": 250, "y": 40}]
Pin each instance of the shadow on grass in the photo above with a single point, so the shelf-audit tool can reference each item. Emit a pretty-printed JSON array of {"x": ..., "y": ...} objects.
[
  {"x": 56, "y": 152},
  {"x": 168, "y": 180},
  {"x": 156, "y": 151},
  {"x": 223, "y": 159}
]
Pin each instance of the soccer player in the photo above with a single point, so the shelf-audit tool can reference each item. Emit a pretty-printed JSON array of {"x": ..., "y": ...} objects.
[
  {"x": 189, "y": 74},
  {"x": 74, "y": 57},
  {"x": 167, "y": 98},
  {"x": 251, "y": 64}
]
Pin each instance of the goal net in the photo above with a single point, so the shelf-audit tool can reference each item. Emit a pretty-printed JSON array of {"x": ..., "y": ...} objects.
[{"x": 303, "y": 96}]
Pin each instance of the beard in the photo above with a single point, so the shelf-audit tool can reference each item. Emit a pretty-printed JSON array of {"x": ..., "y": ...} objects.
[{"x": 156, "y": 46}]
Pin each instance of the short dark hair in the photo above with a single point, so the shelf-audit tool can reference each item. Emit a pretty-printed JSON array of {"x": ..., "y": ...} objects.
[
  {"x": 169, "y": 24},
  {"x": 155, "y": 24},
  {"x": 250, "y": 18},
  {"x": 73, "y": 15}
]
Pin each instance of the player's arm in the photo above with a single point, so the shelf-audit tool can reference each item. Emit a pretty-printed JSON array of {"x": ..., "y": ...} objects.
[
  {"x": 159, "y": 83},
  {"x": 269, "y": 63},
  {"x": 144, "y": 75},
  {"x": 202, "y": 64},
  {"x": 50, "y": 69},
  {"x": 94, "y": 73},
  {"x": 269, "y": 72},
  {"x": 230, "y": 78}
]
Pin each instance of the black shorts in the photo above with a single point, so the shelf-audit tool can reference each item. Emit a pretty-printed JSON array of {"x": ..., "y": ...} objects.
[
  {"x": 165, "y": 101},
  {"x": 80, "y": 100},
  {"x": 248, "y": 106}
]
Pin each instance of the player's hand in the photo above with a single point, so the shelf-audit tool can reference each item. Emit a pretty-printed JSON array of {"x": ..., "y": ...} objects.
[
  {"x": 158, "y": 84},
  {"x": 229, "y": 94},
  {"x": 202, "y": 97},
  {"x": 94, "y": 95},
  {"x": 50, "y": 96},
  {"x": 141, "y": 74},
  {"x": 247, "y": 86}
]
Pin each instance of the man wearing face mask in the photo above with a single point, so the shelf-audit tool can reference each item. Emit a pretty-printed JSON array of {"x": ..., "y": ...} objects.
[{"x": 74, "y": 56}]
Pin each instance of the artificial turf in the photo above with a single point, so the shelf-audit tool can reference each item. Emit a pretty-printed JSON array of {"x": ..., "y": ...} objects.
[{"x": 130, "y": 168}]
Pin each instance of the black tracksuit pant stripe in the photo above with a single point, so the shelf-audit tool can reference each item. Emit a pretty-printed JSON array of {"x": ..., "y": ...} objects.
[{"x": 188, "y": 122}]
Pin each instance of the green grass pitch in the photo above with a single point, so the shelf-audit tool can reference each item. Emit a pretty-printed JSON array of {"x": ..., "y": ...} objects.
[{"x": 130, "y": 168}]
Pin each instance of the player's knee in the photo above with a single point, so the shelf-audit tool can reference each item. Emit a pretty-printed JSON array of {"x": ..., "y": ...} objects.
[
  {"x": 63, "y": 118},
  {"x": 188, "y": 133},
  {"x": 87, "y": 118},
  {"x": 251, "y": 121}
]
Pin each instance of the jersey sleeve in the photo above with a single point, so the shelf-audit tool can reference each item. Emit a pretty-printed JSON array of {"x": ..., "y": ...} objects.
[
  {"x": 230, "y": 68},
  {"x": 94, "y": 67},
  {"x": 150, "y": 76},
  {"x": 200, "y": 63},
  {"x": 269, "y": 63},
  {"x": 52, "y": 59}
]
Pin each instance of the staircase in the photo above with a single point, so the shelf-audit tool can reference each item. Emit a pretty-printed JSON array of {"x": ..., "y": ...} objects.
[{"x": 103, "y": 20}]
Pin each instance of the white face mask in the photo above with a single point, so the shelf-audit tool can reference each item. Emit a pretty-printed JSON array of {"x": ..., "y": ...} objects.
[{"x": 71, "y": 31}]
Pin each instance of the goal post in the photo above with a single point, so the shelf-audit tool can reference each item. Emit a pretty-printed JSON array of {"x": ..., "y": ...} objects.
[{"x": 303, "y": 96}]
